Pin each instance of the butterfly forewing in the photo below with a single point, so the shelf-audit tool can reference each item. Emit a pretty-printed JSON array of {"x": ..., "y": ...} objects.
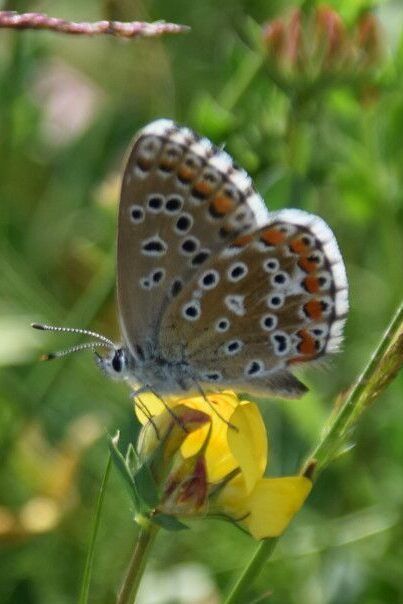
[
  {"x": 267, "y": 301},
  {"x": 182, "y": 200}
]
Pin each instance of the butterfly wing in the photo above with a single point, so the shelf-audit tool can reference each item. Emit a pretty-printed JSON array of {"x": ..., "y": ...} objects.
[
  {"x": 266, "y": 302},
  {"x": 182, "y": 200}
]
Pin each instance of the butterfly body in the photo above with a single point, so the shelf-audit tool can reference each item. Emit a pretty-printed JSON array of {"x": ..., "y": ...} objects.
[{"x": 162, "y": 375}]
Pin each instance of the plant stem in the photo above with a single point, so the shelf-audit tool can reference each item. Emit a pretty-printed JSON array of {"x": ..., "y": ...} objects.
[
  {"x": 237, "y": 87},
  {"x": 133, "y": 29},
  {"x": 382, "y": 368},
  {"x": 85, "y": 584},
  {"x": 137, "y": 563},
  {"x": 252, "y": 569}
]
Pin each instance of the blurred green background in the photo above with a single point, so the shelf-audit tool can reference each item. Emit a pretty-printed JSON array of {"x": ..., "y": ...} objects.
[{"x": 328, "y": 143}]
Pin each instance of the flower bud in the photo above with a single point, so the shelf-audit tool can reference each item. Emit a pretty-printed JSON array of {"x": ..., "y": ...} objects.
[
  {"x": 207, "y": 456},
  {"x": 330, "y": 36},
  {"x": 315, "y": 46},
  {"x": 369, "y": 40},
  {"x": 282, "y": 40},
  {"x": 274, "y": 36},
  {"x": 186, "y": 489}
]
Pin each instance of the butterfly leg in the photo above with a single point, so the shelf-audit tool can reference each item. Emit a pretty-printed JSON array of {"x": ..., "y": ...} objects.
[
  {"x": 143, "y": 407},
  {"x": 171, "y": 412},
  {"x": 203, "y": 394}
]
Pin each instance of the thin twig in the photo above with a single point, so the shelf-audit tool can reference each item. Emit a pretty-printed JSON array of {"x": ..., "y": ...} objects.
[{"x": 133, "y": 29}]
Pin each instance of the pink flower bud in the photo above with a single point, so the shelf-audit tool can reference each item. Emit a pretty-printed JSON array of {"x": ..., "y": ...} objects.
[
  {"x": 293, "y": 41},
  {"x": 331, "y": 35},
  {"x": 274, "y": 36},
  {"x": 369, "y": 39},
  {"x": 282, "y": 39}
]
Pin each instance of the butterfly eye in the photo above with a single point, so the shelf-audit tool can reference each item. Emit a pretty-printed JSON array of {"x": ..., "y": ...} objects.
[{"x": 118, "y": 361}]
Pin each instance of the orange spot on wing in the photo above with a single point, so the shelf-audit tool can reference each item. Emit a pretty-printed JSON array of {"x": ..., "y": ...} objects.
[
  {"x": 313, "y": 309},
  {"x": 185, "y": 173},
  {"x": 307, "y": 265},
  {"x": 298, "y": 246},
  {"x": 307, "y": 344},
  {"x": 222, "y": 204},
  {"x": 311, "y": 283},
  {"x": 242, "y": 241},
  {"x": 203, "y": 187},
  {"x": 165, "y": 164},
  {"x": 144, "y": 164},
  {"x": 272, "y": 236}
]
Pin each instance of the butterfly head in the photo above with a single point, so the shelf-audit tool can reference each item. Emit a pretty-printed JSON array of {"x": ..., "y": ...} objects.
[{"x": 115, "y": 364}]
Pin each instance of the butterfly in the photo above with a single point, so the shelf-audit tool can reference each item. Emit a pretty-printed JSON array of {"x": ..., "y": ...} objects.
[{"x": 215, "y": 291}]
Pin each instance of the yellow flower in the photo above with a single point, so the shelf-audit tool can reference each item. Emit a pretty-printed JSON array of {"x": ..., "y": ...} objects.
[{"x": 218, "y": 454}]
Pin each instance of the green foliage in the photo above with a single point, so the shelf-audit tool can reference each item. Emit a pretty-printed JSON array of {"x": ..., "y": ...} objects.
[
  {"x": 68, "y": 110},
  {"x": 121, "y": 465},
  {"x": 170, "y": 523}
]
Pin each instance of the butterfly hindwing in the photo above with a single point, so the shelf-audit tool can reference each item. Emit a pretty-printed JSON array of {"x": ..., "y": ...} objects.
[
  {"x": 269, "y": 300},
  {"x": 182, "y": 200}
]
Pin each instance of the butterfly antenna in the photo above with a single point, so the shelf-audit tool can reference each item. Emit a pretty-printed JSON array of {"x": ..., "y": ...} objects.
[
  {"x": 62, "y": 353},
  {"x": 84, "y": 332}
]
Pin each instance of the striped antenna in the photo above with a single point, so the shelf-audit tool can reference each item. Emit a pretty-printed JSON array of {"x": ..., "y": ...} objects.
[
  {"x": 84, "y": 332},
  {"x": 62, "y": 353},
  {"x": 102, "y": 340}
]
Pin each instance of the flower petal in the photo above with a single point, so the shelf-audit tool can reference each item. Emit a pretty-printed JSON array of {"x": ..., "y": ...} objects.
[
  {"x": 194, "y": 442},
  {"x": 147, "y": 405},
  {"x": 227, "y": 449},
  {"x": 232, "y": 500},
  {"x": 273, "y": 503},
  {"x": 248, "y": 442},
  {"x": 172, "y": 431},
  {"x": 219, "y": 458}
]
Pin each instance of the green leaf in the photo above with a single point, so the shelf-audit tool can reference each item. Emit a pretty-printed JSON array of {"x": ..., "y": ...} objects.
[
  {"x": 120, "y": 465},
  {"x": 146, "y": 487},
  {"x": 170, "y": 523},
  {"x": 211, "y": 117},
  {"x": 89, "y": 562},
  {"x": 132, "y": 460}
]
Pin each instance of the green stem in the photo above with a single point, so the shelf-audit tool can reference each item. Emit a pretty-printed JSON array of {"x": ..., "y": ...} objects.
[
  {"x": 137, "y": 563},
  {"x": 237, "y": 87},
  {"x": 85, "y": 585},
  {"x": 252, "y": 569},
  {"x": 382, "y": 368}
]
